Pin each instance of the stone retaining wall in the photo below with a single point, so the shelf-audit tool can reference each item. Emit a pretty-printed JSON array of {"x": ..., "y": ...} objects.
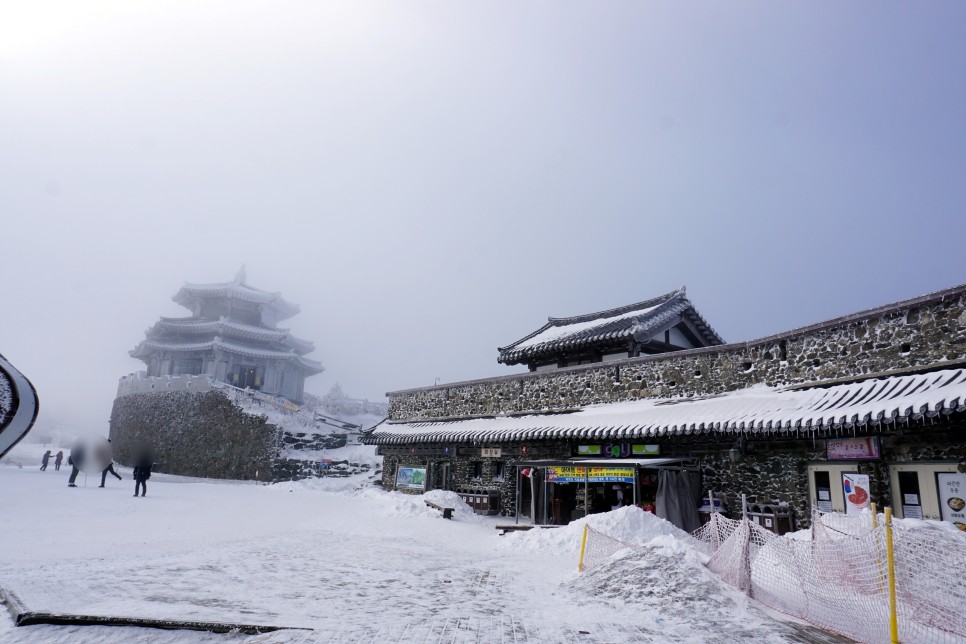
[
  {"x": 917, "y": 333},
  {"x": 205, "y": 434},
  {"x": 194, "y": 434}
]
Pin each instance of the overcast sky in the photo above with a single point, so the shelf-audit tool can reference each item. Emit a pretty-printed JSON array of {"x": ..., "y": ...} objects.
[{"x": 431, "y": 180}]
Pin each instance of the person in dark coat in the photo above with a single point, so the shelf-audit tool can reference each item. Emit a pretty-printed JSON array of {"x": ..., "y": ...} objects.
[
  {"x": 44, "y": 460},
  {"x": 75, "y": 469},
  {"x": 58, "y": 461},
  {"x": 109, "y": 468},
  {"x": 142, "y": 472}
]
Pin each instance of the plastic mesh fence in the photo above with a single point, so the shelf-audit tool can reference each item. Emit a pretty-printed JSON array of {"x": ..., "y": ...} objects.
[
  {"x": 838, "y": 580},
  {"x": 598, "y": 548}
]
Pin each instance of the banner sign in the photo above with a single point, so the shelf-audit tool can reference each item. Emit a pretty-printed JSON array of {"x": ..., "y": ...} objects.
[
  {"x": 562, "y": 474},
  {"x": 618, "y": 450},
  {"x": 411, "y": 478},
  {"x": 856, "y": 488},
  {"x": 952, "y": 497},
  {"x": 852, "y": 449}
]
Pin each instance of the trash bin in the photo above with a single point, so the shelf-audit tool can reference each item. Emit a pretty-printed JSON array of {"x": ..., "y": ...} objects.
[
  {"x": 776, "y": 518},
  {"x": 704, "y": 511},
  {"x": 481, "y": 500}
]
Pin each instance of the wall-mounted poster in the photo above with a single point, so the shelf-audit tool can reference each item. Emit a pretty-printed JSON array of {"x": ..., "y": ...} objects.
[
  {"x": 411, "y": 478},
  {"x": 856, "y": 488},
  {"x": 952, "y": 497},
  {"x": 852, "y": 449}
]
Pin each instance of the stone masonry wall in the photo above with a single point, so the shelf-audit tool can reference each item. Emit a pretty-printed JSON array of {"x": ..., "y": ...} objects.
[
  {"x": 194, "y": 434},
  {"x": 918, "y": 333}
]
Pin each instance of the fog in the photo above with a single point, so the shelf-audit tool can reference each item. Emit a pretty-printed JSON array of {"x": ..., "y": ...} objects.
[{"x": 431, "y": 180}]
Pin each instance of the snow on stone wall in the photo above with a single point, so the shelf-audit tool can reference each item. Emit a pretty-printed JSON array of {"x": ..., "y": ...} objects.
[
  {"x": 194, "y": 434},
  {"x": 918, "y": 333}
]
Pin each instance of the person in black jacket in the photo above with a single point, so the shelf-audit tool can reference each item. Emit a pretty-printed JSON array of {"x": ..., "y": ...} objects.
[
  {"x": 109, "y": 468},
  {"x": 142, "y": 472}
]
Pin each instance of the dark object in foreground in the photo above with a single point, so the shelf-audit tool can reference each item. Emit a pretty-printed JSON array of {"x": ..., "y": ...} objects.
[{"x": 23, "y": 617}]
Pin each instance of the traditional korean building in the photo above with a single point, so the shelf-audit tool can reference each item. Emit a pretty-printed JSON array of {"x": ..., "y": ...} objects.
[
  {"x": 659, "y": 325},
  {"x": 865, "y": 407},
  {"x": 231, "y": 336}
]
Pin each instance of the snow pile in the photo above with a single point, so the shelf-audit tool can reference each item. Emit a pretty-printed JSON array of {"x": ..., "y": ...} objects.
[
  {"x": 355, "y": 454},
  {"x": 629, "y": 524},
  {"x": 461, "y": 511},
  {"x": 337, "y": 403},
  {"x": 666, "y": 580}
]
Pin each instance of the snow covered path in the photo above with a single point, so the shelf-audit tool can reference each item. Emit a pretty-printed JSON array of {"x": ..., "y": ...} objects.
[{"x": 359, "y": 566}]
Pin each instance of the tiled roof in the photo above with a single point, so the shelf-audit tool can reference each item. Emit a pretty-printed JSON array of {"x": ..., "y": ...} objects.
[
  {"x": 238, "y": 290},
  {"x": 640, "y": 321},
  {"x": 148, "y": 346},
  {"x": 224, "y": 326},
  {"x": 757, "y": 410}
]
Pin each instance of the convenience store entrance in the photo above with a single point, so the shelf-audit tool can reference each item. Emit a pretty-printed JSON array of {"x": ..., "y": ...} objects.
[{"x": 556, "y": 492}]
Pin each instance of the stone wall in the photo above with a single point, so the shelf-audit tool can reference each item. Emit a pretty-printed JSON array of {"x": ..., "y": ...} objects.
[
  {"x": 194, "y": 434},
  {"x": 919, "y": 333},
  {"x": 775, "y": 471}
]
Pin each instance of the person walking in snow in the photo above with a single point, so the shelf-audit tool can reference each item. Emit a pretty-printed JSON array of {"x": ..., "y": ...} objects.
[
  {"x": 58, "y": 461},
  {"x": 44, "y": 460},
  {"x": 75, "y": 470},
  {"x": 142, "y": 472},
  {"x": 109, "y": 468}
]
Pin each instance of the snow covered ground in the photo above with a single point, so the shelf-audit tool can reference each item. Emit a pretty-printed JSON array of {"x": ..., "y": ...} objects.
[{"x": 353, "y": 565}]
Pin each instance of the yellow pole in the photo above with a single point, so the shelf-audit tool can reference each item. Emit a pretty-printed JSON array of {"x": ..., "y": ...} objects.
[
  {"x": 891, "y": 567},
  {"x": 583, "y": 544}
]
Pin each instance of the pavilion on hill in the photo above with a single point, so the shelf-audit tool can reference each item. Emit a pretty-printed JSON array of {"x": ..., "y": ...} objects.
[
  {"x": 232, "y": 337},
  {"x": 659, "y": 325}
]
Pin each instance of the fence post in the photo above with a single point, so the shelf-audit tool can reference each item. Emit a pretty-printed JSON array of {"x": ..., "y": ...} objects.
[
  {"x": 583, "y": 545},
  {"x": 891, "y": 568},
  {"x": 878, "y": 546}
]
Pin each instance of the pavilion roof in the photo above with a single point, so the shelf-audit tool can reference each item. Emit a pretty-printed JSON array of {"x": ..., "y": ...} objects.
[
  {"x": 238, "y": 289},
  {"x": 225, "y": 327},
  {"x": 639, "y": 321},
  {"x": 147, "y": 347},
  {"x": 756, "y": 410}
]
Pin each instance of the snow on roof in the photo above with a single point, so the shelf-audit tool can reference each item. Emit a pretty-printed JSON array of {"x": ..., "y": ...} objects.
[
  {"x": 236, "y": 289},
  {"x": 641, "y": 319},
  {"x": 758, "y": 409},
  {"x": 217, "y": 343},
  {"x": 225, "y": 326}
]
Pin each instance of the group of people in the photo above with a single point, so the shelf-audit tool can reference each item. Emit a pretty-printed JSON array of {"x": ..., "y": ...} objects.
[
  {"x": 46, "y": 460},
  {"x": 142, "y": 470}
]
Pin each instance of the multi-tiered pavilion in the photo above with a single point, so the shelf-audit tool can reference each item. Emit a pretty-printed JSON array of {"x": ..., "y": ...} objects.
[{"x": 232, "y": 337}]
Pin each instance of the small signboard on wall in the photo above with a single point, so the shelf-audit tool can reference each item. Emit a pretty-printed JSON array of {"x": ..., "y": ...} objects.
[
  {"x": 852, "y": 449},
  {"x": 618, "y": 450},
  {"x": 952, "y": 497},
  {"x": 569, "y": 474},
  {"x": 491, "y": 452},
  {"x": 411, "y": 478},
  {"x": 856, "y": 488}
]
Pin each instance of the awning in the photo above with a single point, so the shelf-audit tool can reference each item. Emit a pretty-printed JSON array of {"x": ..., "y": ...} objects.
[{"x": 756, "y": 410}]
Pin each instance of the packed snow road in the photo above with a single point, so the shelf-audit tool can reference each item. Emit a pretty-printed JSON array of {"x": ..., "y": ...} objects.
[{"x": 352, "y": 565}]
